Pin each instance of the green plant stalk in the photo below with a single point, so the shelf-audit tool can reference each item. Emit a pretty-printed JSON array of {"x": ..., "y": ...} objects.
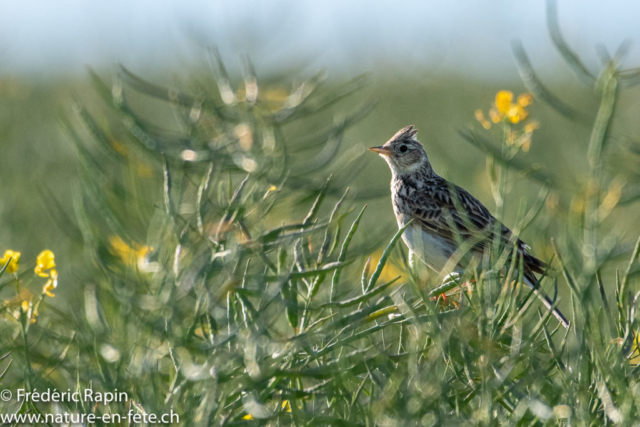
[
  {"x": 24, "y": 327},
  {"x": 502, "y": 174},
  {"x": 596, "y": 144}
]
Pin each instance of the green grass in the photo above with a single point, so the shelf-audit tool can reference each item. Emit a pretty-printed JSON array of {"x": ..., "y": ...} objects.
[{"x": 218, "y": 259}]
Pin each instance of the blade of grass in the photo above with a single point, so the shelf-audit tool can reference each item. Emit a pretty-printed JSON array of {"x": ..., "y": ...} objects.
[
  {"x": 343, "y": 251},
  {"x": 385, "y": 255}
]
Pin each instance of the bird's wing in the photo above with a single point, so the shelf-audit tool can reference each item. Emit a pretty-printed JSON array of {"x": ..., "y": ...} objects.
[
  {"x": 437, "y": 212},
  {"x": 463, "y": 218}
]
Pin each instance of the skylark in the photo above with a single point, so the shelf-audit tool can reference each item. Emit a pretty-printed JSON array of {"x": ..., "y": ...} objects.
[{"x": 445, "y": 215}]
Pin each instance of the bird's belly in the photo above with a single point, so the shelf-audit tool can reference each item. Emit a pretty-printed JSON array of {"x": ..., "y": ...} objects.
[{"x": 431, "y": 249}]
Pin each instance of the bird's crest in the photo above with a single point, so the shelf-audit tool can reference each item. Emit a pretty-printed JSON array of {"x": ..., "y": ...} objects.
[{"x": 408, "y": 132}]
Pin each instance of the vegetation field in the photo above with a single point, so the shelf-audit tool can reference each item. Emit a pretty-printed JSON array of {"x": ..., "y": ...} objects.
[{"x": 221, "y": 246}]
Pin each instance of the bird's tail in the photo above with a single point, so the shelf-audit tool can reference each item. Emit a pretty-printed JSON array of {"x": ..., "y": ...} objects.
[{"x": 548, "y": 302}]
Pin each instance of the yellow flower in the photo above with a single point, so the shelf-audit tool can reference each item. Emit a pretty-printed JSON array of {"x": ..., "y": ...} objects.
[
  {"x": 635, "y": 356},
  {"x": 530, "y": 127},
  {"x": 28, "y": 310},
  {"x": 285, "y": 405},
  {"x": 51, "y": 284},
  {"x": 503, "y": 101},
  {"x": 13, "y": 264},
  {"x": 133, "y": 255},
  {"x": 495, "y": 116},
  {"x": 525, "y": 99},
  {"x": 517, "y": 113},
  {"x": 483, "y": 121},
  {"x": 45, "y": 261}
]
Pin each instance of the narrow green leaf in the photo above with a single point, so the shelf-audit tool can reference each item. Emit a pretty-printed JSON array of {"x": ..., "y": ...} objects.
[
  {"x": 326, "y": 242},
  {"x": 362, "y": 298},
  {"x": 343, "y": 251},
  {"x": 290, "y": 296},
  {"x": 5, "y": 267},
  {"x": 316, "y": 204},
  {"x": 603, "y": 119},
  {"x": 567, "y": 54},
  {"x": 276, "y": 233},
  {"x": 307, "y": 273},
  {"x": 202, "y": 188},
  {"x": 634, "y": 257},
  {"x": 385, "y": 255},
  {"x": 566, "y": 273},
  {"x": 364, "y": 278}
]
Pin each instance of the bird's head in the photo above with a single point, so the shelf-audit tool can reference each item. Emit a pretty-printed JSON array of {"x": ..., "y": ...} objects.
[{"x": 404, "y": 153}]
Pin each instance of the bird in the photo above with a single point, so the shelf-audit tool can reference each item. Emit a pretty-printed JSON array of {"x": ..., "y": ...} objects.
[{"x": 446, "y": 216}]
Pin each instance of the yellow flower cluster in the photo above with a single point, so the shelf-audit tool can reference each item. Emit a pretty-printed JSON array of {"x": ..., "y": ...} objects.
[
  {"x": 13, "y": 258},
  {"x": 45, "y": 267},
  {"x": 24, "y": 301},
  {"x": 45, "y": 261},
  {"x": 504, "y": 110}
]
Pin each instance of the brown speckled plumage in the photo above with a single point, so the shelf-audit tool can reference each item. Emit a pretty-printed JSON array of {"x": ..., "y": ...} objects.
[{"x": 444, "y": 214}]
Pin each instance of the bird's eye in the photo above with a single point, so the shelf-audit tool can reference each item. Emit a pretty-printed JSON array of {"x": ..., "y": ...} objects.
[{"x": 403, "y": 148}]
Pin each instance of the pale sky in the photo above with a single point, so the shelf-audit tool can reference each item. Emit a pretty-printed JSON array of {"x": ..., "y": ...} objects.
[{"x": 46, "y": 38}]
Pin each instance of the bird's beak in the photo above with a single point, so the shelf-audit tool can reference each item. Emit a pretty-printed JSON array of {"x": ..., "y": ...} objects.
[{"x": 382, "y": 150}]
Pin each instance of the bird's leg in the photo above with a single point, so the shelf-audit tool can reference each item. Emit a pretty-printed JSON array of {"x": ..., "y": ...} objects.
[{"x": 453, "y": 279}]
